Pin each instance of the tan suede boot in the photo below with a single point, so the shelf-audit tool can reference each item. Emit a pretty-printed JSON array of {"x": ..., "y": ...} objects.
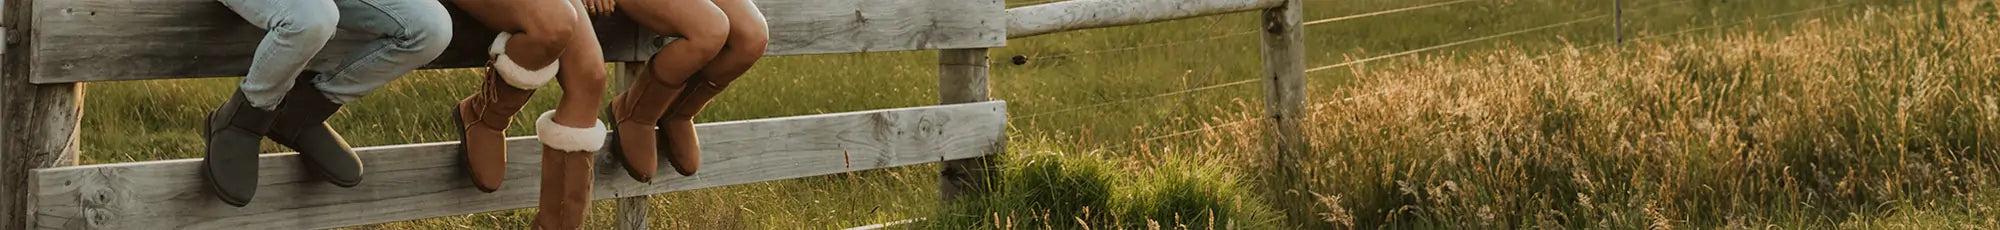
[
  {"x": 634, "y": 115},
  {"x": 483, "y": 117},
  {"x": 683, "y": 148},
  {"x": 482, "y": 121},
  {"x": 567, "y": 153}
]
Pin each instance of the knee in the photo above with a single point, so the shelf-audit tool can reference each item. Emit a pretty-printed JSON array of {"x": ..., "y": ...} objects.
[
  {"x": 706, "y": 40},
  {"x": 318, "y": 24},
  {"x": 431, "y": 32},
  {"x": 552, "y": 36},
  {"x": 748, "y": 43}
]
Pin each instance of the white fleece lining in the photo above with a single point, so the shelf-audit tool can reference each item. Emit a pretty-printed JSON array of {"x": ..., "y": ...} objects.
[
  {"x": 514, "y": 74},
  {"x": 566, "y": 138}
]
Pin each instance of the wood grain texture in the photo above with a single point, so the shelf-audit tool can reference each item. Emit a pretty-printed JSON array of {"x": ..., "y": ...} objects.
[
  {"x": 38, "y": 123},
  {"x": 1088, "y": 14},
  {"x": 164, "y": 39},
  {"x": 415, "y": 181},
  {"x": 962, "y": 78},
  {"x": 1285, "y": 104},
  {"x": 631, "y": 213}
]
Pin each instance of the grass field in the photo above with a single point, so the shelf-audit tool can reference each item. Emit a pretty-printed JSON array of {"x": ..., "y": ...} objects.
[{"x": 1873, "y": 115}]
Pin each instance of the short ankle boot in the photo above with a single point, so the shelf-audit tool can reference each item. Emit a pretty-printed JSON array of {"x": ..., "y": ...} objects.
[
  {"x": 483, "y": 117},
  {"x": 232, "y": 134},
  {"x": 567, "y": 153},
  {"x": 683, "y": 148},
  {"x": 634, "y": 116},
  {"x": 302, "y": 127}
]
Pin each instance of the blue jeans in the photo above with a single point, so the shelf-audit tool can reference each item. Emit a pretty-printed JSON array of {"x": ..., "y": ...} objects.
[{"x": 408, "y": 34}]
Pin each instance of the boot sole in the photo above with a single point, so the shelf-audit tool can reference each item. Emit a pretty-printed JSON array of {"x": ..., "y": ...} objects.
[
  {"x": 615, "y": 150},
  {"x": 465, "y": 157}
]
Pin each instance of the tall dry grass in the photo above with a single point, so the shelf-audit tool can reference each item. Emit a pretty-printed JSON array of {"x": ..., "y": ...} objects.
[{"x": 1885, "y": 118}]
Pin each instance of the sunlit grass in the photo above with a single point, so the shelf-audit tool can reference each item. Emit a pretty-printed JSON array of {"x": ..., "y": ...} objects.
[{"x": 1879, "y": 119}]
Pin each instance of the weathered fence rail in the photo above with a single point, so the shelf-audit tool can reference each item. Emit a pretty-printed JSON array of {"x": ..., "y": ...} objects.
[
  {"x": 53, "y": 44},
  {"x": 425, "y": 180},
  {"x": 157, "y": 39}
]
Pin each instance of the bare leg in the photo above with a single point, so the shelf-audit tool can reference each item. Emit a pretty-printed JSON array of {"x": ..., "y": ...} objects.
[
  {"x": 541, "y": 27},
  {"x": 566, "y": 168},
  {"x": 702, "y": 27},
  {"x": 538, "y": 31},
  {"x": 745, "y": 44},
  {"x": 583, "y": 80},
  {"x": 748, "y": 36}
]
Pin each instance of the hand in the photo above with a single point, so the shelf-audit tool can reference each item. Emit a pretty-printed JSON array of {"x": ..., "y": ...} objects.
[{"x": 600, "y": 7}]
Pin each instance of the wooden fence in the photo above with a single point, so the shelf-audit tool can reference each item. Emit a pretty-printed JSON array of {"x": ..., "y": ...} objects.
[{"x": 54, "y": 45}]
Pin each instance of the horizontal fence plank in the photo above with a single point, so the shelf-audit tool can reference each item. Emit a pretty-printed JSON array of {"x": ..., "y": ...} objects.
[
  {"x": 414, "y": 181},
  {"x": 110, "y": 40},
  {"x": 1088, "y": 14}
]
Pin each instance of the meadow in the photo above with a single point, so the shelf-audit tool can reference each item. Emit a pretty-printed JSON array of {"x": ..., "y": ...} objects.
[{"x": 1785, "y": 113}]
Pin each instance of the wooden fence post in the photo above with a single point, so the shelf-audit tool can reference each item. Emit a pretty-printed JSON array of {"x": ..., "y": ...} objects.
[
  {"x": 1284, "y": 103},
  {"x": 38, "y": 123},
  {"x": 631, "y": 212},
  {"x": 962, "y": 79}
]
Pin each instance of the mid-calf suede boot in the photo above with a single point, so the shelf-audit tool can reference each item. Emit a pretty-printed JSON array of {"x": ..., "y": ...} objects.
[
  {"x": 302, "y": 127},
  {"x": 232, "y": 134},
  {"x": 483, "y": 117},
  {"x": 683, "y": 147},
  {"x": 567, "y": 153},
  {"x": 638, "y": 111}
]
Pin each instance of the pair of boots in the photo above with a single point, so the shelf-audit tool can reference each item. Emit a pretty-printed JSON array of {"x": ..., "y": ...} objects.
[
  {"x": 651, "y": 103},
  {"x": 234, "y": 130},
  {"x": 567, "y": 152}
]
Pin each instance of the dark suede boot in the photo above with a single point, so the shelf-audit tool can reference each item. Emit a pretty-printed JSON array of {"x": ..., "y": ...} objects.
[
  {"x": 233, "y": 132},
  {"x": 302, "y": 127}
]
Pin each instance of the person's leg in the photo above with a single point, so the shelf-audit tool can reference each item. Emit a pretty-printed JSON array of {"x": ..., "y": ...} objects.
[
  {"x": 571, "y": 134},
  {"x": 523, "y": 58},
  {"x": 747, "y": 38},
  {"x": 702, "y": 28},
  {"x": 409, "y": 34},
  {"x": 297, "y": 31},
  {"x": 539, "y": 29}
]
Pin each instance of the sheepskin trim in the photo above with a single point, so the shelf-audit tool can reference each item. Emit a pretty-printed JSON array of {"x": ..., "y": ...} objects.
[
  {"x": 522, "y": 77},
  {"x": 499, "y": 45},
  {"x": 566, "y": 138}
]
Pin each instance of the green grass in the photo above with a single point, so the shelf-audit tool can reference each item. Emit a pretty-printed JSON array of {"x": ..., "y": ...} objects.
[{"x": 1424, "y": 144}]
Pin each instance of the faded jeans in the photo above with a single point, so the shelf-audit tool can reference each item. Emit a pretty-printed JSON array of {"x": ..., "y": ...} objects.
[{"x": 408, "y": 34}]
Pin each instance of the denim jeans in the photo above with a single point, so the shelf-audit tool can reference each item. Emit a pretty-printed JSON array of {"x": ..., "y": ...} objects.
[{"x": 407, "y": 35}]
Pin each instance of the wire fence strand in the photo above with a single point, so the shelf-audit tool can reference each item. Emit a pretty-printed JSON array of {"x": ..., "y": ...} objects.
[
  {"x": 1321, "y": 105},
  {"x": 1250, "y": 32}
]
